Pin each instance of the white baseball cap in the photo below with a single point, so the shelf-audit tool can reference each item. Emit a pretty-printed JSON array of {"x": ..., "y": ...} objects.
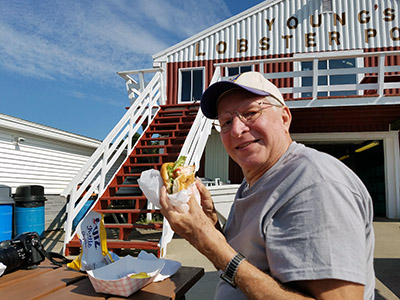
[{"x": 254, "y": 82}]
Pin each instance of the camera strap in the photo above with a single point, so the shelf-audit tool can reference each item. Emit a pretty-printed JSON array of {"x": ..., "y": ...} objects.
[{"x": 55, "y": 258}]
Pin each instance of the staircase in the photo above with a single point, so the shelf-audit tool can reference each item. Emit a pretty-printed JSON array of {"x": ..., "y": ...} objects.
[{"x": 123, "y": 203}]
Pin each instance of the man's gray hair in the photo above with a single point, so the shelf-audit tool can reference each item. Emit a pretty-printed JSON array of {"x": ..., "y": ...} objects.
[{"x": 273, "y": 101}]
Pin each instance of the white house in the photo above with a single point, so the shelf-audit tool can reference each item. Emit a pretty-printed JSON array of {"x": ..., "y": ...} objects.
[{"x": 34, "y": 154}]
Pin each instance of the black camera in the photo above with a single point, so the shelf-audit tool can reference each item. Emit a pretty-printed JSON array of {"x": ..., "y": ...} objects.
[{"x": 22, "y": 252}]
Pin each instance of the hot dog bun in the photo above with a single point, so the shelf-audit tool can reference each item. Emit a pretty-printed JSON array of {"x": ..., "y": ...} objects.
[
  {"x": 164, "y": 175},
  {"x": 177, "y": 179}
]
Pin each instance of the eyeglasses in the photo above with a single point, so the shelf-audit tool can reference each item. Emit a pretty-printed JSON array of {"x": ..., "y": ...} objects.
[{"x": 224, "y": 121}]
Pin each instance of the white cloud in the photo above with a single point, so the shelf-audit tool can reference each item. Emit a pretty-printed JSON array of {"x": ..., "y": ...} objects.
[
  {"x": 184, "y": 18},
  {"x": 93, "y": 97},
  {"x": 91, "y": 40}
]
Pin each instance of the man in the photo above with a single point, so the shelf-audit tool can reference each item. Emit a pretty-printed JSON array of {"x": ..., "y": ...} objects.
[{"x": 301, "y": 223}]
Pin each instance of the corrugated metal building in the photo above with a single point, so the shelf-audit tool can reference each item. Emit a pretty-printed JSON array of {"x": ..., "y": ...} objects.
[
  {"x": 283, "y": 28},
  {"x": 337, "y": 64}
]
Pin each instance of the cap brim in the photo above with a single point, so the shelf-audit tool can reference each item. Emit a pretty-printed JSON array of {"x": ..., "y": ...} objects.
[{"x": 209, "y": 99}]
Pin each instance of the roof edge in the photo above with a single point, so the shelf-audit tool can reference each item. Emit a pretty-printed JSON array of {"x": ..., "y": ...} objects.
[
  {"x": 29, "y": 127},
  {"x": 161, "y": 56}
]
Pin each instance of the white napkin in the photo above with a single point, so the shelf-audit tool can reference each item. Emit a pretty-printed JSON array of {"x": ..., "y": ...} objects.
[
  {"x": 2, "y": 268},
  {"x": 150, "y": 182},
  {"x": 169, "y": 269}
]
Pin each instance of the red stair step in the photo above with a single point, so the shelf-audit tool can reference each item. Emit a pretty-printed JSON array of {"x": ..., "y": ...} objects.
[
  {"x": 122, "y": 198},
  {"x": 129, "y": 225},
  {"x": 73, "y": 247},
  {"x": 127, "y": 211}
]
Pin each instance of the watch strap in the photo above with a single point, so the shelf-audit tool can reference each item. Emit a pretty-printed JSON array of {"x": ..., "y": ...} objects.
[{"x": 231, "y": 269}]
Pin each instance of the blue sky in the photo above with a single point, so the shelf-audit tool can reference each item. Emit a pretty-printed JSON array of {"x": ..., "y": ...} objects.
[{"x": 58, "y": 59}]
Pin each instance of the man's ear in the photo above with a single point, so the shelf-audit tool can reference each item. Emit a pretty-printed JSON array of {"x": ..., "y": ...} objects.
[{"x": 286, "y": 117}]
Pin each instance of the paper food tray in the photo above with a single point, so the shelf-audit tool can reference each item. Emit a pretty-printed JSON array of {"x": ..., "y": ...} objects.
[{"x": 114, "y": 279}]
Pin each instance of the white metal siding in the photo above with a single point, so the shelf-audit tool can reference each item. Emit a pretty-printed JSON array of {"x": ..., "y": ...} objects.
[
  {"x": 223, "y": 197},
  {"x": 217, "y": 160},
  {"x": 38, "y": 161},
  {"x": 360, "y": 18}
]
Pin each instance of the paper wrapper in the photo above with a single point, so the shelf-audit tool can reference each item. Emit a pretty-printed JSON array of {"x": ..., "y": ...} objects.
[
  {"x": 150, "y": 182},
  {"x": 114, "y": 278},
  {"x": 93, "y": 239},
  {"x": 169, "y": 269}
]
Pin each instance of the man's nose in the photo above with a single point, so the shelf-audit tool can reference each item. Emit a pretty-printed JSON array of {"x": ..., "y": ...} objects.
[{"x": 238, "y": 126}]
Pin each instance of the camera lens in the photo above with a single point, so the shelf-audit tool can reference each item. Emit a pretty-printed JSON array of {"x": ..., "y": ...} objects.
[{"x": 11, "y": 258}]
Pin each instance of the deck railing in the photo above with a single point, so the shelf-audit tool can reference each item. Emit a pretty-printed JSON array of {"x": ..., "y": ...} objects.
[
  {"x": 316, "y": 81},
  {"x": 135, "y": 82},
  {"x": 98, "y": 171}
]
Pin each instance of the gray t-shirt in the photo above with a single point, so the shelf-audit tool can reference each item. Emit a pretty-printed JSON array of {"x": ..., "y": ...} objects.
[{"x": 308, "y": 217}]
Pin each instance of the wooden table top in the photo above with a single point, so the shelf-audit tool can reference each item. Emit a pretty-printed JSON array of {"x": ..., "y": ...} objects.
[{"x": 47, "y": 281}]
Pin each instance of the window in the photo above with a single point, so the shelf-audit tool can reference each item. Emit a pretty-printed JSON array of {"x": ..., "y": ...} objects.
[
  {"x": 238, "y": 70},
  {"x": 331, "y": 79},
  {"x": 191, "y": 84}
]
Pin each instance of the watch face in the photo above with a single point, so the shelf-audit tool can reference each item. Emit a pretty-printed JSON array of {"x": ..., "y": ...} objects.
[{"x": 228, "y": 280}]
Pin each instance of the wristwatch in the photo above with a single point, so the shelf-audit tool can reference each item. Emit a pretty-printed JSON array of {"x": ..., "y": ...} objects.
[{"x": 231, "y": 269}]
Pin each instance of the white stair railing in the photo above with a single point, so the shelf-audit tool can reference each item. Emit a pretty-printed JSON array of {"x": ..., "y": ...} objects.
[
  {"x": 98, "y": 171},
  {"x": 136, "y": 86}
]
